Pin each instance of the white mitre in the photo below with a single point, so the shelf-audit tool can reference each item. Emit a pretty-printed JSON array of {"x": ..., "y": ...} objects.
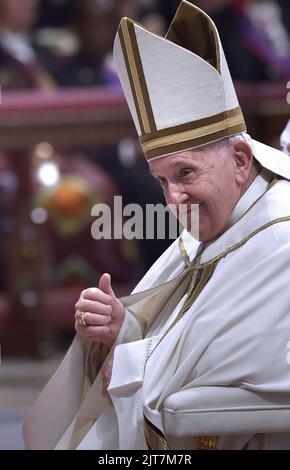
[{"x": 179, "y": 89}]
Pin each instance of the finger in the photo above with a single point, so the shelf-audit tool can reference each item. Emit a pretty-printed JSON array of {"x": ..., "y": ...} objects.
[
  {"x": 106, "y": 394},
  {"x": 94, "y": 319},
  {"x": 107, "y": 370},
  {"x": 93, "y": 307},
  {"x": 105, "y": 284},
  {"x": 96, "y": 333},
  {"x": 93, "y": 293}
]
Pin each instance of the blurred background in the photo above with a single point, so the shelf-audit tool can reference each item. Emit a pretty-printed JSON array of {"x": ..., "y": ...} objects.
[{"x": 67, "y": 142}]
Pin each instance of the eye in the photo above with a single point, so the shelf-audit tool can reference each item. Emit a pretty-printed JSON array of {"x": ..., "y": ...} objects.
[{"x": 185, "y": 172}]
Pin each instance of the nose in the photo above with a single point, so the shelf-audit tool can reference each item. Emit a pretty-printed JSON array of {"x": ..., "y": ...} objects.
[{"x": 176, "y": 194}]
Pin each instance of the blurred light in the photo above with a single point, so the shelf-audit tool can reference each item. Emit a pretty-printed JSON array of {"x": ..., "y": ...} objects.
[
  {"x": 29, "y": 299},
  {"x": 127, "y": 152},
  {"x": 43, "y": 151},
  {"x": 48, "y": 174},
  {"x": 39, "y": 215}
]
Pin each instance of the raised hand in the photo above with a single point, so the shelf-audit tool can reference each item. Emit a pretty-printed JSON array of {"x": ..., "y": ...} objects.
[{"x": 99, "y": 314}]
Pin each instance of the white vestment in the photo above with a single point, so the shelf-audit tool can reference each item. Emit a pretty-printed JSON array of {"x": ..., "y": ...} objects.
[{"x": 220, "y": 369}]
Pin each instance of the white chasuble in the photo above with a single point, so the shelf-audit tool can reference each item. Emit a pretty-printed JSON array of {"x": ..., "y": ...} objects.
[{"x": 190, "y": 352}]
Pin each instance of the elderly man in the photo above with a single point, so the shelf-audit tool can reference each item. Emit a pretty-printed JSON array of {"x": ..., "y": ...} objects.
[{"x": 196, "y": 356}]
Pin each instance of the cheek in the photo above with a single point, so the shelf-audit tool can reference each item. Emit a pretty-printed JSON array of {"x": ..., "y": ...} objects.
[{"x": 213, "y": 206}]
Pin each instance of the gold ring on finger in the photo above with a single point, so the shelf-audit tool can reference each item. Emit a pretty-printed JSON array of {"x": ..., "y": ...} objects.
[{"x": 80, "y": 318}]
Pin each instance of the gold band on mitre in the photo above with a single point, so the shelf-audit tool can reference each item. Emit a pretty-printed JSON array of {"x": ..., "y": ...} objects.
[{"x": 194, "y": 134}]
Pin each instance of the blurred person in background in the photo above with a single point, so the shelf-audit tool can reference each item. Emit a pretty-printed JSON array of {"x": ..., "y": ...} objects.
[
  {"x": 93, "y": 24},
  {"x": 91, "y": 65},
  {"x": 23, "y": 65},
  {"x": 255, "y": 35},
  {"x": 55, "y": 13}
]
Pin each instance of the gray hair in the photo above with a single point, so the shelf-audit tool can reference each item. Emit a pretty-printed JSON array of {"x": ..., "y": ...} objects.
[
  {"x": 244, "y": 137},
  {"x": 228, "y": 140}
]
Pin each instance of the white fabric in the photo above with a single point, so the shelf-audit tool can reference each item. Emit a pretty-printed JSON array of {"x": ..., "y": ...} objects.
[
  {"x": 285, "y": 139},
  {"x": 120, "y": 65},
  {"x": 212, "y": 333},
  {"x": 271, "y": 159},
  {"x": 18, "y": 46},
  {"x": 258, "y": 186},
  {"x": 235, "y": 335},
  {"x": 182, "y": 86},
  {"x": 50, "y": 410},
  {"x": 199, "y": 411},
  {"x": 230, "y": 97}
]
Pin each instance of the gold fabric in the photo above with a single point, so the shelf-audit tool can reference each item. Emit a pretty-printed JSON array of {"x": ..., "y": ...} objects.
[
  {"x": 154, "y": 438},
  {"x": 191, "y": 30},
  {"x": 199, "y": 133}
]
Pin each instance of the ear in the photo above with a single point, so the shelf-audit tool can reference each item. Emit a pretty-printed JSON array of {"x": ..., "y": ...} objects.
[{"x": 242, "y": 158}]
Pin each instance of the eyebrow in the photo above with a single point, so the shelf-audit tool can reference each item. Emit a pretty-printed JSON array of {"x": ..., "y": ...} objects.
[
  {"x": 174, "y": 165},
  {"x": 179, "y": 162}
]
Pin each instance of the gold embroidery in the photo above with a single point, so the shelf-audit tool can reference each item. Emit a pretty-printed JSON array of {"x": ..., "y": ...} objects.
[
  {"x": 193, "y": 133},
  {"x": 221, "y": 255},
  {"x": 183, "y": 252},
  {"x": 194, "y": 143},
  {"x": 244, "y": 240},
  {"x": 154, "y": 438},
  {"x": 207, "y": 442},
  {"x": 203, "y": 39},
  {"x": 189, "y": 126},
  {"x": 193, "y": 292}
]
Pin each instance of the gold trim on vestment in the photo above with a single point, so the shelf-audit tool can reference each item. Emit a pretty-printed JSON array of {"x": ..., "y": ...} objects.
[
  {"x": 183, "y": 252},
  {"x": 154, "y": 438},
  {"x": 182, "y": 248},
  {"x": 194, "y": 289},
  {"x": 207, "y": 442},
  {"x": 244, "y": 240},
  {"x": 192, "y": 296}
]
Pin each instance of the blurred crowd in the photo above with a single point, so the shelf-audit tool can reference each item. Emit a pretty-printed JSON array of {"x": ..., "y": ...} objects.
[{"x": 68, "y": 43}]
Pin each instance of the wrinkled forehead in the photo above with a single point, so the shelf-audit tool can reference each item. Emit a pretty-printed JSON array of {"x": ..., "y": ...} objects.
[{"x": 195, "y": 158}]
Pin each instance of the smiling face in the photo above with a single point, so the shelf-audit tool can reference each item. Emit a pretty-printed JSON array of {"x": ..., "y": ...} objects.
[{"x": 215, "y": 177}]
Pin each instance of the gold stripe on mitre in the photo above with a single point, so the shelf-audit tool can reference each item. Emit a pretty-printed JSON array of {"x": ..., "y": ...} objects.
[
  {"x": 136, "y": 76},
  {"x": 193, "y": 134}
]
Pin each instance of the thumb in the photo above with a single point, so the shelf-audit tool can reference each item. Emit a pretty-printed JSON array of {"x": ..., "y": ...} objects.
[{"x": 105, "y": 284}]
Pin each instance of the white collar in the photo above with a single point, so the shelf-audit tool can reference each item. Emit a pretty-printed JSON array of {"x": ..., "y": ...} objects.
[{"x": 254, "y": 191}]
